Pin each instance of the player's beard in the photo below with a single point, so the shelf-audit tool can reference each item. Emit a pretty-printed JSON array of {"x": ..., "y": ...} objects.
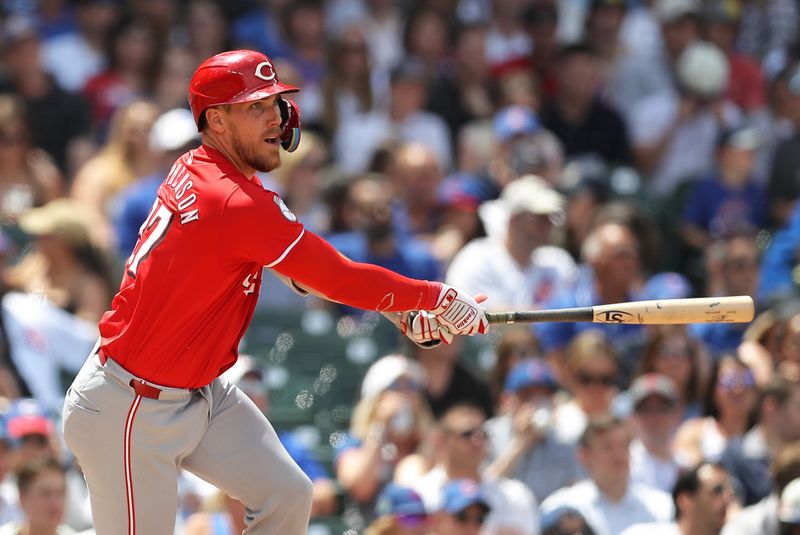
[{"x": 256, "y": 155}]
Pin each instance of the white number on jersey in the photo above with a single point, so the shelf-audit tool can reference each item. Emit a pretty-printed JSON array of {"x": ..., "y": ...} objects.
[{"x": 151, "y": 233}]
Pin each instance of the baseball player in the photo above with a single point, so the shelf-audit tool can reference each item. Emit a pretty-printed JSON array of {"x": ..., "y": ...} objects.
[{"x": 149, "y": 400}]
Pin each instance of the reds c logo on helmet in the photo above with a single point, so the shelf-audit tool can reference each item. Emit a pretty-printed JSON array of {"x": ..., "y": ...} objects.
[{"x": 233, "y": 77}]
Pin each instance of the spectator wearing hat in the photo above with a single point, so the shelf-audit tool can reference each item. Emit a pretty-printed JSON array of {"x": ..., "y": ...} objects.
[
  {"x": 464, "y": 509},
  {"x": 523, "y": 441},
  {"x": 763, "y": 517},
  {"x": 388, "y": 435},
  {"x": 749, "y": 460},
  {"x": 399, "y": 511},
  {"x": 608, "y": 499},
  {"x": 675, "y": 132},
  {"x": 702, "y": 498},
  {"x": 565, "y": 520},
  {"x": 462, "y": 449},
  {"x": 173, "y": 133},
  {"x": 518, "y": 268},
  {"x": 585, "y": 125},
  {"x": 655, "y": 418},
  {"x": 460, "y": 196},
  {"x": 729, "y": 200},
  {"x": 360, "y": 135}
]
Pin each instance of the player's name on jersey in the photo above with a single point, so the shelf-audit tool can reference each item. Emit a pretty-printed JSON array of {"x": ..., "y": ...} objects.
[{"x": 178, "y": 180}]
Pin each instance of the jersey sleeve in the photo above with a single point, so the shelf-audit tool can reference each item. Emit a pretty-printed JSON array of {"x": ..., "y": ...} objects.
[{"x": 259, "y": 227}]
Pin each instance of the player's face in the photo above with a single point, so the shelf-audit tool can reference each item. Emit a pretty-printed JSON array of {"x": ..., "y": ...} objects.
[{"x": 255, "y": 133}]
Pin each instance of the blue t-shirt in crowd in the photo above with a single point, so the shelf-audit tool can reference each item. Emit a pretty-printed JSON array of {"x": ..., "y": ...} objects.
[
  {"x": 720, "y": 209},
  {"x": 780, "y": 259},
  {"x": 718, "y": 337},
  {"x": 303, "y": 457},
  {"x": 131, "y": 208},
  {"x": 258, "y": 30}
]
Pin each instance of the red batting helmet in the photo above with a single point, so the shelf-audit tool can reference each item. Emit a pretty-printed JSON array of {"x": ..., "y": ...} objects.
[{"x": 233, "y": 77}]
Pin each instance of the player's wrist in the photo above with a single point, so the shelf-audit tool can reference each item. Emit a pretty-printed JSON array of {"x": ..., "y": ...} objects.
[{"x": 432, "y": 299}]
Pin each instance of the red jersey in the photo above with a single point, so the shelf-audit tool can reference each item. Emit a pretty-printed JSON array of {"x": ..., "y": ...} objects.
[{"x": 192, "y": 281}]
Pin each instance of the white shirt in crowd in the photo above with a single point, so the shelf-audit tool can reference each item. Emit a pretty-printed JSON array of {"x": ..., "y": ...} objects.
[
  {"x": 485, "y": 266},
  {"x": 360, "y": 135},
  {"x": 650, "y": 470},
  {"x": 691, "y": 151},
  {"x": 513, "y": 504},
  {"x": 71, "y": 60},
  {"x": 640, "y": 504}
]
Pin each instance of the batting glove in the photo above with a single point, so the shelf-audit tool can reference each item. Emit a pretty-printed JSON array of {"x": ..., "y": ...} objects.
[
  {"x": 426, "y": 331},
  {"x": 459, "y": 312},
  {"x": 290, "y": 124}
]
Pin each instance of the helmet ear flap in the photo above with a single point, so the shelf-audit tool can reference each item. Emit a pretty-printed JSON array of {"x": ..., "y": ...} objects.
[{"x": 286, "y": 112}]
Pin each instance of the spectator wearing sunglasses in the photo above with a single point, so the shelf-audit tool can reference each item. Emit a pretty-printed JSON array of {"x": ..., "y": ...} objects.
[
  {"x": 590, "y": 375},
  {"x": 702, "y": 497},
  {"x": 461, "y": 451},
  {"x": 731, "y": 398},
  {"x": 608, "y": 499},
  {"x": 399, "y": 511},
  {"x": 523, "y": 440},
  {"x": 464, "y": 509},
  {"x": 749, "y": 460}
]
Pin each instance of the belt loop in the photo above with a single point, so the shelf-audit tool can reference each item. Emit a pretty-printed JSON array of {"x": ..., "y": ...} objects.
[
  {"x": 145, "y": 390},
  {"x": 102, "y": 356}
]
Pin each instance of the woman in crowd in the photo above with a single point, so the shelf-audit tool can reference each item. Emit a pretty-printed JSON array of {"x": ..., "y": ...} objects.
[
  {"x": 730, "y": 403},
  {"x": 672, "y": 353},
  {"x": 387, "y": 435}
]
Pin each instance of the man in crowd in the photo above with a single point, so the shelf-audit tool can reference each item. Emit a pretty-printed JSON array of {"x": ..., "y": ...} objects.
[
  {"x": 608, "y": 500},
  {"x": 464, "y": 508},
  {"x": 701, "y": 497}
]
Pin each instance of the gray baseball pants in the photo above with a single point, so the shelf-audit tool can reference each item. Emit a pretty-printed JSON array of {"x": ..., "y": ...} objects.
[{"x": 131, "y": 447}]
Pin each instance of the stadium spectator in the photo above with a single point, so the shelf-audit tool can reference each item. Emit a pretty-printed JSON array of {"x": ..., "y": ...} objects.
[
  {"x": 767, "y": 29},
  {"x": 654, "y": 420},
  {"x": 731, "y": 398},
  {"x": 506, "y": 42},
  {"x": 399, "y": 511},
  {"x": 517, "y": 343},
  {"x": 464, "y": 509},
  {"x": 462, "y": 450},
  {"x": 519, "y": 269},
  {"x": 672, "y": 353},
  {"x": 206, "y": 29},
  {"x": 608, "y": 500},
  {"x": 762, "y": 517},
  {"x": 748, "y": 460},
  {"x": 404, "y": 120},
  {"x": 388, "y": 433},
  {"x": 28, "y": 176},
  {"x": 702, "y": 498},
  {"x": 589, "y": 371},
  {"x": 42, "y": 487},
  {"x": 565, "y": 520},
  {"x": 523, "y": 440},
  {"x": 587, "y": 127},
  {"x": 782, "y": 186}
]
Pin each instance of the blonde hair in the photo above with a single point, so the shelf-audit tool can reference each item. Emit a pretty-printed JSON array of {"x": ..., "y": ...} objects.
[
  {"x": 587, "y": 345},
  {"x": 364, "y": 416}
]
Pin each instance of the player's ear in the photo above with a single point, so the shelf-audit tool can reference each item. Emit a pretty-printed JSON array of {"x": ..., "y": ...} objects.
[{"x": 216, "y": 119}]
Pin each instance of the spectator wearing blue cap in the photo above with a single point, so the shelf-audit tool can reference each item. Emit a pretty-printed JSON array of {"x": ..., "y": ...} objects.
[
  {"x": 565, "y": 520},
  {"x": 399, "y": 511},
  {"x": 523, "y": 441},
  {"x": 464, "y": 508}
]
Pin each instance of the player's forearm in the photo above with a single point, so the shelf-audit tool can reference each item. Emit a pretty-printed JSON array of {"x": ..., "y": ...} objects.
[{"x": 314, "y": 265}]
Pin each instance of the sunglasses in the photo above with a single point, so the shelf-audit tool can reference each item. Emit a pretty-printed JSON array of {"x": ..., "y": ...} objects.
[
  {"x": 730, "y": 381},
  {"x": 412, "y": 521},
  {"x": 470, "y": 434},
  {"x": 602, "y": 380},
  {"x": 475, "y": 519}
]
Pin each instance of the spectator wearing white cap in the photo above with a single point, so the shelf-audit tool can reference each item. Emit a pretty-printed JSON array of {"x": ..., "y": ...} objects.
[
  {"x": 516, "y": 266},
  {"x": 173, "y": 133},
  {"x": 655, "y": 418},
  {"x": 675, "y": 131},
  {"x": 523, "y": 440},
  {"x": 388, "y": 430}
]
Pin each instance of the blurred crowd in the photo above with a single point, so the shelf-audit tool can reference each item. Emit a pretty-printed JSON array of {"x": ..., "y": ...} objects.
[{"x": 546, "y": 153}]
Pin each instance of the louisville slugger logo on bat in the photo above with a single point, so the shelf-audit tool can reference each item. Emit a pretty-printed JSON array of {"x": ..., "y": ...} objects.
[{"x": 615, "y": 316}]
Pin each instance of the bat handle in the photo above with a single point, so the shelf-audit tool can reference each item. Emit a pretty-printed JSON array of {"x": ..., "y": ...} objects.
[{"x": 501, "y": 317}]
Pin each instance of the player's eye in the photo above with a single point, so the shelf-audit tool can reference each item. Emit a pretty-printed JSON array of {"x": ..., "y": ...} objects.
[{"x": 255, "y": 106}]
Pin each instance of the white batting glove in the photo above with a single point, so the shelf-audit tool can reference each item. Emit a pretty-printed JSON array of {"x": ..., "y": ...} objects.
[
  {"x": 459, "y": 312},
  {"x": 426, "y": 331}
]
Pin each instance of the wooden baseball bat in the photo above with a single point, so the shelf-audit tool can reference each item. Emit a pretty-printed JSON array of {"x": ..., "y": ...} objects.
[{"x": 736, "y": 309}]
